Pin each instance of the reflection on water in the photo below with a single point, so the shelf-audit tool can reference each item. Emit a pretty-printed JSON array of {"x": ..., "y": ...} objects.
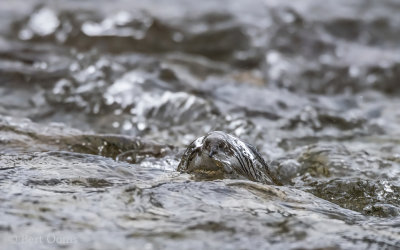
[{"x": 98, "y": 101}]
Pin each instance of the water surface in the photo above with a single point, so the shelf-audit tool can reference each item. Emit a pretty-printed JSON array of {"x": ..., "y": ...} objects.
[{"x": 99, "y": 99}]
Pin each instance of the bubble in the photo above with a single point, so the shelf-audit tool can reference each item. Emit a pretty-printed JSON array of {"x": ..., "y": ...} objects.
[
  {"x": 44, "y": 22},
  {"x": 25, "y": 34},
  {"x": 127, "y": 125},
  {"x": 141, "y": 126},
  {"x": 117, "y": 111},
  {"x": 115, "y": 124}
]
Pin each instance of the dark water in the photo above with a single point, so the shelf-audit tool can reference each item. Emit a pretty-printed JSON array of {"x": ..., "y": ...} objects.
[{"x": 98, "y": 100}]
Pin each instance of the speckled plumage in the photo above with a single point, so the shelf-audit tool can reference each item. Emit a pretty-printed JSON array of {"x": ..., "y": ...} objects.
[{"x": 221, "y": 155}]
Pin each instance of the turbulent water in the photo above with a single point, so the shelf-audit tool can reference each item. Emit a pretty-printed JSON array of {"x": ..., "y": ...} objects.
[{"x": 99, "y": 99}]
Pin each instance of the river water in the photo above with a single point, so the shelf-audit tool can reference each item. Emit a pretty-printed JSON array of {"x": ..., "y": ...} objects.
[{"x": 98, "y": 100}]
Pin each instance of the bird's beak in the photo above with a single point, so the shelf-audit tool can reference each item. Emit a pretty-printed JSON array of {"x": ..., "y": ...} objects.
[{"x": 213, "y": 151}]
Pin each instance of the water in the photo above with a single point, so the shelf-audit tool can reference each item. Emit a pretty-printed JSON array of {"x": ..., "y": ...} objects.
[{"x": 98, "y": 101}]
